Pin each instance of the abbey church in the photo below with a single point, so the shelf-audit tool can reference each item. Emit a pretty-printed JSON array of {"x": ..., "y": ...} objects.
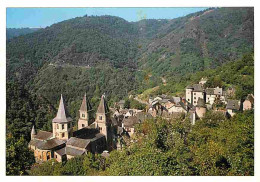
[{"x": 63, "y": 143}]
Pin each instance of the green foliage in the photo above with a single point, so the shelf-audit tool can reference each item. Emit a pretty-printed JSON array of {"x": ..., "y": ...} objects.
[
  {"x": 15, "y": 32},
  {"x": 25, "y": 109},
  {"x": 83, "y": 165},
  {"x": 213, "y": 146},
  {"x": 18, "y": 157}
]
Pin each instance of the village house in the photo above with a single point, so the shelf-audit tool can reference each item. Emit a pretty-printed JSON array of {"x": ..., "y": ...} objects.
[
  {"x": 63, "y": 144},
  {"x": 232, "y": 107},
  {"x": 175, "y": 105},
  {"x": 215, "y": 93},
  {"x": 198, "y": 111},
  {"x": 248, "y": 103},
  {"x": 194, "y": 92},
  {"x": 129, "y": 124}
]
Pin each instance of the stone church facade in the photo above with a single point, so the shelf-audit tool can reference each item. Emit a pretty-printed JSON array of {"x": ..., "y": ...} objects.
[{"x": 63, "y": 143}]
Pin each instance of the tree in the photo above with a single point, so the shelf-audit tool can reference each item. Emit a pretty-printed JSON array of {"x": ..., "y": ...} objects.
[{"x": 18, "y": 157}]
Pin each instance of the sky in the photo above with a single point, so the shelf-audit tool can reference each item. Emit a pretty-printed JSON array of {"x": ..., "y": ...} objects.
[{"x": 42, "y": 17}]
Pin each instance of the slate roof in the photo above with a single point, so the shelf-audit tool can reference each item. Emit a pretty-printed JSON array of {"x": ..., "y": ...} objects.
[
  {"x": 103, "y": 107},
  {"x": 233, "y": 104},
  {"x": 33, "y": 132},
  {"x": 142, "y": 116},
  {"x": 43, "y": 135},
  {"x": 47, "y": 144},
  {"x": 74, "y": 152},
  {"x": 250, "y": 97},
  {"x": 86, "y": 132},
  {"x": 172, "y": 115},
  {"x": 85, "y": 106},
  {"x": 163, "y": 101},
  {"x": 197, "y": 88},
  {"x": 130, "y": 121},
  {"x": 62, "y": 114},
  {"x": 61, "y": 151},
  {"x": 201, "y": 103},
  {"x": 78, "y": 142},
  {"x": 210, "y": 91},
  {"x": 189, "y": 87}
]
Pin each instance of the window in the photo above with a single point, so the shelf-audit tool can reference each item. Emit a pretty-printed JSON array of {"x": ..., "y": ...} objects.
[
  {"x": 62, "y": 135},
  {"x": 194, "y": 97},
  {"x": 57, "y": 126},
  {"x": 48, "y": 157},
  {"x": 188, "y": 99},
  {"x": 194, "y": 93},
  {"x": 62, "y": 126},
  {"x": 83, "y": 115},
  {"x": 100, "y": 117},
  {"x": 83, "y": 125},
  {"x": 194, "y": 102}
]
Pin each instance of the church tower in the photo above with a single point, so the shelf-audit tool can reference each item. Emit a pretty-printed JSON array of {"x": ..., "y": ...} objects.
[
  {"x": 33, "y": 133},
  {"x": 85, "y": 113},
  {"x": 103, "y": 121},
  {"x": 62, "y": 123}
]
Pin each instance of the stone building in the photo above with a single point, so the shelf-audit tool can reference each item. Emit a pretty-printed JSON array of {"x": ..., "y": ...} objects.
[
  {"x": 103, "y": 121},
  {"x": 248, "y": 103},
  {"x": 62, "y": 123},
  {"x": 201, "y": 108},
  {"x": 85, "y": 114},
  {"x": 62, "y": 143},
  {"x": 194, "y": 92},
  {"x": 232, "y": 107}
]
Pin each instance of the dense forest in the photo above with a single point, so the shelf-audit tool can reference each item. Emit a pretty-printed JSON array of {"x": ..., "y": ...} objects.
[
  {"x": 106, "y": 54},
  {"x": 15, "y": 32}
]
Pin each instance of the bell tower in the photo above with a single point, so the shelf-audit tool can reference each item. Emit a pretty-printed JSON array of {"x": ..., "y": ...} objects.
[
  {"x": 85, "y": 114},
  {"x": 103, "y": 121},
  {"x": 62, "y": 123}
]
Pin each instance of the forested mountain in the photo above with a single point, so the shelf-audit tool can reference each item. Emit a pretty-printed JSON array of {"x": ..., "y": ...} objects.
[
  {"x": 15, "y": 32},
  {"x": 199, "y": 41},
  {"x": 106, "y": 54}
]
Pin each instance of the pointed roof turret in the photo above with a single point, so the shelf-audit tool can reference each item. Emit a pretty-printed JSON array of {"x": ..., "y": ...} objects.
[
  {"x": 103, "y": 107},
  {"x": 61, "y": 116},
  {"x": 33, "y": 132},
  {"x": 201, "y": 103},
  {"x": 85, "y": 106}
]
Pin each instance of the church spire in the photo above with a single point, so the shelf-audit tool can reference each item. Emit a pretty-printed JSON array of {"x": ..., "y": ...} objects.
[
  {"x": 85, "y": 106},
  {"x": 61, "y": 116},
  {"x": 33, "y": 133},
  {"x": 103, "y": 107}
]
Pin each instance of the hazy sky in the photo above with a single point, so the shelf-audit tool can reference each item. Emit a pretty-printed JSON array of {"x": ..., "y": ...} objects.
[{"x": 42, "y": 17}]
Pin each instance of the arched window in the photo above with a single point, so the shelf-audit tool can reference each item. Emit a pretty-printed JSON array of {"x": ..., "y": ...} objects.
[{"x": 100, "y": 117}]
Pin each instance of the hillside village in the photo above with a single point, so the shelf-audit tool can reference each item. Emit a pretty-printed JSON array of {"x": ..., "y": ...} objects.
[{"x": 111, "y": 127}]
